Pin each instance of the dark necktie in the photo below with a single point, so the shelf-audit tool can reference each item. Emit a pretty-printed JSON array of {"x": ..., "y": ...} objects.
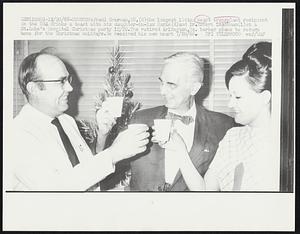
[
  {"x": 66, "y": 141},
  {"x": 184, "y": 119}
]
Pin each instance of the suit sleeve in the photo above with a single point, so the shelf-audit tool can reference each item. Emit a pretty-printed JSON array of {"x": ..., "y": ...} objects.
[{"x": 134, "y": 119}]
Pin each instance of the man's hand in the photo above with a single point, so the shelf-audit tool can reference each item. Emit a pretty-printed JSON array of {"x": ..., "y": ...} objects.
[{"x": 129, "y": 143}]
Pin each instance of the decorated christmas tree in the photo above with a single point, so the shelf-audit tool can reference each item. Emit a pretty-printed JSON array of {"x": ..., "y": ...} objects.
[{"x": 116, "y": 84}]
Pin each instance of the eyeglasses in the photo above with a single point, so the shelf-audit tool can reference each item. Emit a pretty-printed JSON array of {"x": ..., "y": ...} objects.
[{"x": 62, "y": 81}]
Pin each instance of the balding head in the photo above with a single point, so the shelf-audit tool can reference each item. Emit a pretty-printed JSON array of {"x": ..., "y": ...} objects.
[
  {"x": 49, "y": 67},
  {"x": 45, "y": 81}
]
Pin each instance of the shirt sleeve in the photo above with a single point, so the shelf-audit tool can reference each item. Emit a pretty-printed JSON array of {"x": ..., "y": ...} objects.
[
  {"x": 32, "y": 169},
  {"x": 86, "y": 174}
]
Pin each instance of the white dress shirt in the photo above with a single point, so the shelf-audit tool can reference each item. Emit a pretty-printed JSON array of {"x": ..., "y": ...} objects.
[
  {"x": 187, "y": 133},
  {"x": 40, "y": 161}
]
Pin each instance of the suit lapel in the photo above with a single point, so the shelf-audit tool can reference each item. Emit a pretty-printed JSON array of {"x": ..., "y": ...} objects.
[
  {"x": 200, "y": 137},
  {"x": 163, "y": 113}
]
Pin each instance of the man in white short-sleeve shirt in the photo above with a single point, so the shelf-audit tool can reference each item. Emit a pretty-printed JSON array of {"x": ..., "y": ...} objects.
[{"x": 50, "y": 153}]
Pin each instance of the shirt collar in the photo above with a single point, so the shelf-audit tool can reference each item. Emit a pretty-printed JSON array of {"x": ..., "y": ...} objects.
[
  {"x": 191, "y": 112},
  {"x": 37, "y": 115}
]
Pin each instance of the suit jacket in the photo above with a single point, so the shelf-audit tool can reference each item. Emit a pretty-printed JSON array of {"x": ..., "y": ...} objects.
[{"x": 148, "y": 168}]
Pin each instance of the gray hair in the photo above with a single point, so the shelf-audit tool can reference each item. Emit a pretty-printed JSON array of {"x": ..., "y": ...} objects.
[{"x": 191, "y": 61}]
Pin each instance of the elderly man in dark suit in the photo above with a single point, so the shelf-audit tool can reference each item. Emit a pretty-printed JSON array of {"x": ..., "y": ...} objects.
[{"x": 156, "y": 169}]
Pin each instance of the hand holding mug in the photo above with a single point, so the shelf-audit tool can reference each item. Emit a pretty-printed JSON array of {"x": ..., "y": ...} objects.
[
  {"x": 130, "y": 142},
  {"x": 176, "y": 142},
  {"x": 177, "y": 145}
]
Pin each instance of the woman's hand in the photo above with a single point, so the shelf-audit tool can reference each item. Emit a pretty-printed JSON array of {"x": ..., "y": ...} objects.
[
  {"x": 175, "y": 142},
  {"x": 190, "y": 174}
]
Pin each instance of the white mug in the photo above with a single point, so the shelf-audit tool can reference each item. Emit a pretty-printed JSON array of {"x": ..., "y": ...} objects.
[
  {"x": 114, "y": 105},
  {"x": 162, "y": 129}
]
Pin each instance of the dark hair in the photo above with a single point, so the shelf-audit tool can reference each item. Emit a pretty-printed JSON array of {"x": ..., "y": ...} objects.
[
  {"x": 28, "y": 72},
  {"x": 255, "y": 66}
]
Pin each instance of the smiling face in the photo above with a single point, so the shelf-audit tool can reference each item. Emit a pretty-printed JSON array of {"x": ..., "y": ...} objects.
[
  {"x": 246, "y": 103},
  {"x": 53, "y": 98},
  {"x": 176, "y": 87}
]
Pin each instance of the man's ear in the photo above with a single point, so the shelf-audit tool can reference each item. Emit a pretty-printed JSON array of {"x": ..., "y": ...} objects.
[
  {"x": 32, "y": 88},
  {"x": 195, "y": 88},
  {"x": 266, "y": 94}
]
